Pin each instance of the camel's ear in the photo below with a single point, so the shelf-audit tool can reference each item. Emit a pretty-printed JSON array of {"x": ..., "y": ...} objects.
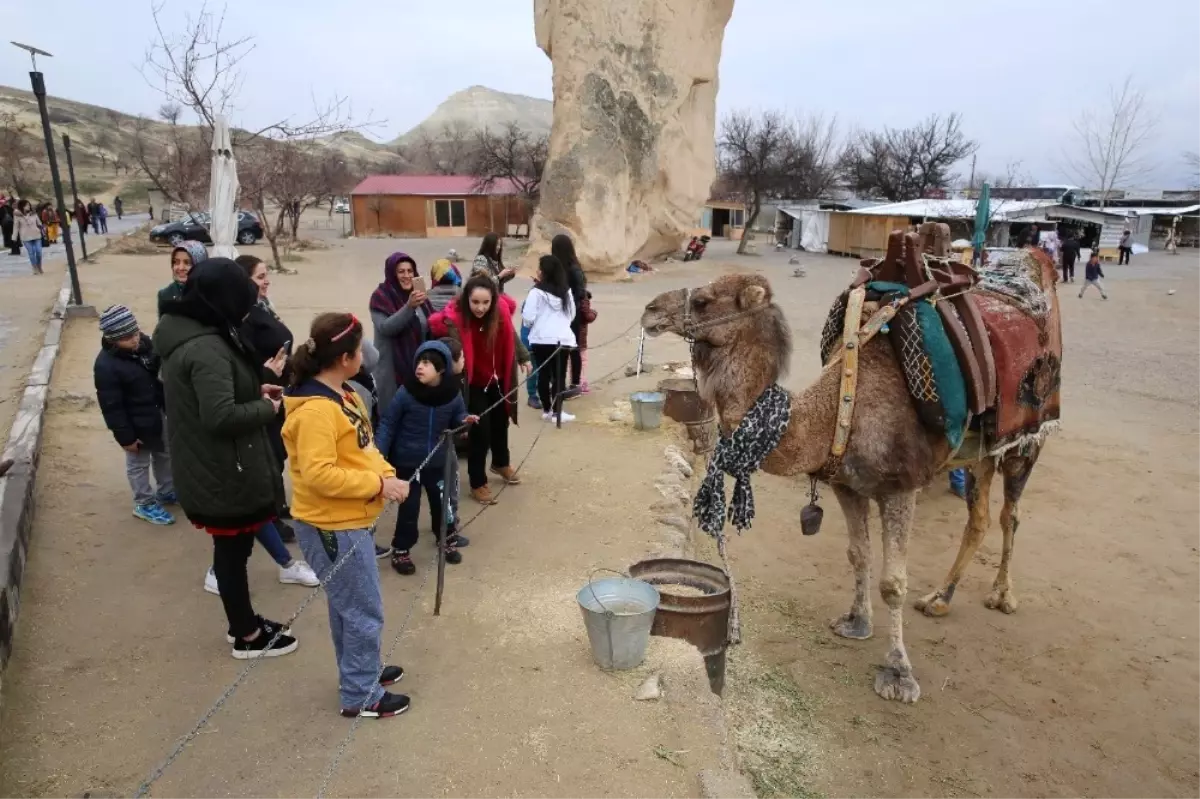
[{"x": 752, "y": 296}]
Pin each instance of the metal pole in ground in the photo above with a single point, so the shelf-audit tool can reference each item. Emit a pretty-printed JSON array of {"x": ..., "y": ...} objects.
[
  {"x": 559, "y": 397},
  {"x": 449, "y": 473},
  {"x": 39, "y": 91},
  {"x": 75, "y": 192}
]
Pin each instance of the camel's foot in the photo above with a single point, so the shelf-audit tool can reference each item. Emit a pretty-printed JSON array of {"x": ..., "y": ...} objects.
[
  {"x": 852, "y": 625},
  {"x": 933, "y": 604},
  {"x": 1001, "y": 599},
  {"x": 896, "y": 682}
]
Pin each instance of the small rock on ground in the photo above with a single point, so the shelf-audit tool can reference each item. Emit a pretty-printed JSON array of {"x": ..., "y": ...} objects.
[
  {"x": 650, "y": 689},
  {"x": 671, "y": 520}
]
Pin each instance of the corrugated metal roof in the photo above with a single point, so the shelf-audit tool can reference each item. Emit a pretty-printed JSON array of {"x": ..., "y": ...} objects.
[
  {"x": 952, "y": 209},
  {"x": 431, "y": 185},
  {"x": 1162, "y": 211}
]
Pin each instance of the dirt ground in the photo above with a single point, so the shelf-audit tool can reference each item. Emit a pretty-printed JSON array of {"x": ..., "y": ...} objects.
[{"x": 1090, "y": 689}]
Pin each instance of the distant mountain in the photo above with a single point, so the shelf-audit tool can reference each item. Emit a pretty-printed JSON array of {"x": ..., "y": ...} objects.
[{"x": 480, "y": 107}]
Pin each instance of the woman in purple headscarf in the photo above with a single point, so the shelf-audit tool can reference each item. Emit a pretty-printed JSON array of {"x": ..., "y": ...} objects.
[{"x": 401, "y": 319}]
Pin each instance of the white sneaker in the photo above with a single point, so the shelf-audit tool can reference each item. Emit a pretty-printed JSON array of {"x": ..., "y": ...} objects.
[
  {"x": 299, "y": 573},
  {"x": 566, "y": 417},
  {"x": 210, "y": 583}
]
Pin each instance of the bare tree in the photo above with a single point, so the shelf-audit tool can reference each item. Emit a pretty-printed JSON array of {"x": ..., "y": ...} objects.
[
  {"x": 375, "y": 205},
  {"x": 1191, "y": 160},
  {"x": 170, "y": 113},
  {"x": 103, "y": 143},
  {"x": 513, "y": 155},
  {"x": 17, "y": 154},
  {"x": 906, "y": 163},
  {"x": 770, "y": 155},
  {"x": 450, "y": 152},
  {"x": 1013, "y": 174},
  {"x": 1109, "y": 148}
]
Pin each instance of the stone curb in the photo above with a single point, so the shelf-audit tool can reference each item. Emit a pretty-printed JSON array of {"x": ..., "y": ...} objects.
[{"x": 16, "y": 487}]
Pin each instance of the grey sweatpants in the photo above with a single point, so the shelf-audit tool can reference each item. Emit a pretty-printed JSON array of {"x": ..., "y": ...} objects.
[
  {"x": 355, "y": 607},
  {"x": 137, "y": 469},
  {"x": 1097, "y": 283}
]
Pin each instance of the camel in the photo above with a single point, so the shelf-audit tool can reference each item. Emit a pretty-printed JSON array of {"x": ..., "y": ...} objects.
[{"x": 742, "y": 345}]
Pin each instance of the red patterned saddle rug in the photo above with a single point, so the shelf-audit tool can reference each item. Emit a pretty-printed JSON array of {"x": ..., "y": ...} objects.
[{"x": 1015, "y": 297}]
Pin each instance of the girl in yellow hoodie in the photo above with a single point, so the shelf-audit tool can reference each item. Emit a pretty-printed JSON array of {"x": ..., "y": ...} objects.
[{"x": 339, "y": 484}]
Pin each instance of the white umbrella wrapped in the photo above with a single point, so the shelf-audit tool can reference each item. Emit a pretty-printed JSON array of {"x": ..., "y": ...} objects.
[{"x": 222, "y": 194}]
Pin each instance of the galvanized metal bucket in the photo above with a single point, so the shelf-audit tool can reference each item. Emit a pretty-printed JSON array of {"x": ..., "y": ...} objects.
[
  {"x": 618, "y": 613},
  {"x": 647, "y": 409}
]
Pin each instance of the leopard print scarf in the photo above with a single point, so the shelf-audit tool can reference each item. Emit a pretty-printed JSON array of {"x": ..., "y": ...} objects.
[{"x": 755, "y": 438}]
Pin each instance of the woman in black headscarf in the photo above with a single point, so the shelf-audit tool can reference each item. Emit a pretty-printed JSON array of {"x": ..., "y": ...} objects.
[{"x": 218, "y": 416}]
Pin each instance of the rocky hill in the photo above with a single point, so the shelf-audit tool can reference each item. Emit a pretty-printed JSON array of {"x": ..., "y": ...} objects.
[
  {"x": 480, "y": 107},
  {"x": 102, "y": 138}
]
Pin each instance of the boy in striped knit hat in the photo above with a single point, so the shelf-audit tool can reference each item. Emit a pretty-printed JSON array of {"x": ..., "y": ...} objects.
[{"x": 131, "y": 399}]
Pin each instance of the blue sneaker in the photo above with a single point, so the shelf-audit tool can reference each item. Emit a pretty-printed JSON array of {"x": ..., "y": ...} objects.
[
  {"x": 169, "y": 498},
  {"x": 154, "y": 513}
]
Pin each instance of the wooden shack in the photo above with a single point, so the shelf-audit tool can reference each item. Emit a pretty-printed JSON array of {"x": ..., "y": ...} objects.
[
  {"x": 862, "y": 235},
  {"x": 435, "y": 206}
]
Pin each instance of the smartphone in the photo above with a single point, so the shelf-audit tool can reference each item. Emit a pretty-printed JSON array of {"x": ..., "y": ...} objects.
[
  {"x": 419, "y": 283},
  {"x": 287, "y": 346}
]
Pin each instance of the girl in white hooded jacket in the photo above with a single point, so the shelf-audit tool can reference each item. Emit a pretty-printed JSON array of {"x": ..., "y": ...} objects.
[{"x": 547, "y": 312}]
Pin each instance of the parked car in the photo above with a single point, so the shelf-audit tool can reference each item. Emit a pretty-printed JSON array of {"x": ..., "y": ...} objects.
[
  {"x": 194, "y": 226},
  {"x": 342, "y": 206}
]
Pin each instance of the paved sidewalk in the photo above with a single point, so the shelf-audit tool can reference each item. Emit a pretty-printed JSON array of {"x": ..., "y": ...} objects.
[{"x": 12, "y": 265}]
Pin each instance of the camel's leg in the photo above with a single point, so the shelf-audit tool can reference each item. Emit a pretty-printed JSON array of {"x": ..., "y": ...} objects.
[
  {"x": 1016, "y": 469},
  {"x": 856, "y": 623},
  {"x": 979, "y": 487},
  {"x": 895, "y": 680}
]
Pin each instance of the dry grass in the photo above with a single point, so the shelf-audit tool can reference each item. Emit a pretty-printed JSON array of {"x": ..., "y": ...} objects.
[{"x": 135, "y": 242}]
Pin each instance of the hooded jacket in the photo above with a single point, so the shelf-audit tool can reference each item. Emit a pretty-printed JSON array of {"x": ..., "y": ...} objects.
[
  {"x": 419, "y": 416},
  {"x": 337, "y": 471},
  {"x": 399, "y": 328},
  {"x": 505, "y": 350},
  {"x": 226, "y": 475},
  {"x": 130, "y": 393}
]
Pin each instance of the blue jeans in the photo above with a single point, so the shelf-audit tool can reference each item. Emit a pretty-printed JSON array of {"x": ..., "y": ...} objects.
[
  {"x": 268, "y": 536},
  {"x": 355, "y": 607},
  {"x": 958, "y": 481},
  {"x": 34, "y": 248},
  {"x": 530, "y": 382}
]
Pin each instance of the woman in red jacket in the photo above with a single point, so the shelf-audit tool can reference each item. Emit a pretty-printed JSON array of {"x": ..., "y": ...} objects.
[{"x": 481, "y": 318}]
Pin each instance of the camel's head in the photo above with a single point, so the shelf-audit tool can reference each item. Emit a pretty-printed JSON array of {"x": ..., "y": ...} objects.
[{"x": 711, "y": 314}]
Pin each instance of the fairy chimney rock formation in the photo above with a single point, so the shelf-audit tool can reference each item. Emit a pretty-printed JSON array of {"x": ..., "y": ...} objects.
[{"x": 632, "y": 153}]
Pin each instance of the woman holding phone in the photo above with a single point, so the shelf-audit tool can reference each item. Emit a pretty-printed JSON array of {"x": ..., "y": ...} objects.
[{"x": 400, "y": 312}]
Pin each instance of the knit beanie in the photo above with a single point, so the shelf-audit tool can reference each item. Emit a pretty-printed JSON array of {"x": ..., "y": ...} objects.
[{"x": 117, "y": 322}]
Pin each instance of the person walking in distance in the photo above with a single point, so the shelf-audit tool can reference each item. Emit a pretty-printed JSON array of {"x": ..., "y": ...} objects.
[
  {"x": 340, "y": 482},
  {"x": 27, "y": 228},
  {"x": 1092, "y": 275},
  {"x": 411, "y": 433},
  {"x": 481, "y": 319},
  {"x": 93, "y": 212},
  {"x": 549, "y": 312},
  {"x": 131, "y": 400},
  {"x": 218, "y": 415},
  {"x": 102, "y": 215},
  {"x": 81, "y": 217},
  {"x": 1070, "y": 254},
  {"x": 119, "y": 207},
  {"x": 1125, "y": 248}
]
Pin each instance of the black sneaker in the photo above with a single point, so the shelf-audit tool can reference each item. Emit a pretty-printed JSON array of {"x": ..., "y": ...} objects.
[
  {"x": 382, "y": 552},
  {"x": 267, "y": 626},
  {"x": 402, "y": 563},
  {"x": 453, "y": 555},
  {"x": 262, "y": 646},
  {"x": 389, "y": 705},
  {"x": 390, "y": 675},
  {"x": 459, "y": 541}
]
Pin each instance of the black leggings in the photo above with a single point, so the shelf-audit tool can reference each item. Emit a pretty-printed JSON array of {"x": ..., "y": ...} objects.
[
  {"x": 576, "y": 356},
  {"x": 431, "y": 480},
  {"x": 230, "y": 554},
  {"x": 550, "y": 377},
  {"x": 489, "y": 434}
]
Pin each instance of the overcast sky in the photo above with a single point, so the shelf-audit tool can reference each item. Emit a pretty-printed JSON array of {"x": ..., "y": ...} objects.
[{"x": 1035, "y": 65}]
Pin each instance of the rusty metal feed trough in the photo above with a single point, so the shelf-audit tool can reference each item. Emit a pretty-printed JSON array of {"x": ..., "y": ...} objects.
[
  {"x": 702, "y": 621},
  {"x": 685, "y": 406}
]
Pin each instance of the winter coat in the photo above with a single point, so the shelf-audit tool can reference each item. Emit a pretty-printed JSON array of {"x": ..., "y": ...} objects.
[
  {"x": 507, "y": 346},
  {"x": 483, "y": 265},
  {"x": 26, "y": 227},
  {"x": 442, "y": 295},
  {"x": 1092, "y": 271},
  {"x": 548, "y": 321},
  {"x": 225, "y": 470},
  {"x": 171, "y": 291},
  {"x": 1126, "y": 241},
  {"x": 130, "y": 393},
  {"x": 265, "y": 332},
  {"x": 410, "y": 429},
  {"x": 337, "y": 471}
]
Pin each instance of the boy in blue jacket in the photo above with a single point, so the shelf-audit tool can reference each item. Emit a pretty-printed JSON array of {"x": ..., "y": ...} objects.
[{"x": 428, "y": 404}]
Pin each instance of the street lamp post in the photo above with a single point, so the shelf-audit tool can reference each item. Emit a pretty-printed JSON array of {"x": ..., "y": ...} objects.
[
  {"x": 75, "y": 194},
  {"x": 39, "y": 91}
]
